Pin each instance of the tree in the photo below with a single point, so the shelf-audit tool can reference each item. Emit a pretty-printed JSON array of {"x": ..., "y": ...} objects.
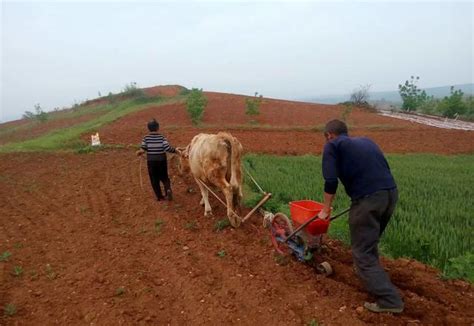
[
  {"x": 360, "y": 97},
  {"x": 253, "y": 104},
  {"x": 412, "y": 96},
  {"x": 196, "y": 103}
]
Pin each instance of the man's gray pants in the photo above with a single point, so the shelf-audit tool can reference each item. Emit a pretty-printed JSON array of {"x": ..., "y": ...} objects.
[{"x": 368, "y": 218}]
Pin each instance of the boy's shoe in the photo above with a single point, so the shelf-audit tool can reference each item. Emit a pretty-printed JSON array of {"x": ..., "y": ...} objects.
[
  {"x": 160, "y": 198},
  {"x": 374, "y": 307},
  {"x": 169, "y": 194}
]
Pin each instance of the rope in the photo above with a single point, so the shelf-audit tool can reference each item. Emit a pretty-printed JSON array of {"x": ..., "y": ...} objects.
[
  {"x": 254, "y": 181},
  {"x": 218, "y": 198},
  {"x": 141, "y": 178}
]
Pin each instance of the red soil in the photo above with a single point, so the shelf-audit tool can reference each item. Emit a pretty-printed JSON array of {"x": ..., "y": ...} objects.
[
  {"x": 95, "y": 228},
  {"x": 229, "y": 109},
  {"x": 166, "y": 90},
  {"x": 286, "y": 128}
]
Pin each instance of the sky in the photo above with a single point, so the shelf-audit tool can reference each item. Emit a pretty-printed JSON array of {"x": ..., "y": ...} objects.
[{"x": 60, "y": 53}]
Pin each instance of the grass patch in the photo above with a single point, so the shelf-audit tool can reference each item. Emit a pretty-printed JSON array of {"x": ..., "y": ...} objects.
[
  {"x": 50, "y": 273},
  {"x": 432, "y": 222},
  {"x": 192, "y": 226},
  {"x": 9, "y": 310},
  {"x": 158, "y": 225},
  {"x": 221, "y": 253},
  {"x": 5, "y": 256},
  {"x": 69, "y": 138},
  {"x": 17, "y": 271},
  {"x": 221, "y": 225},
  {"x": 120, "y": 291}
]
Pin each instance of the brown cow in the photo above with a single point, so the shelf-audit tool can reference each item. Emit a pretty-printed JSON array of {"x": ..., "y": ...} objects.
[{"x": 215, "y": 160}]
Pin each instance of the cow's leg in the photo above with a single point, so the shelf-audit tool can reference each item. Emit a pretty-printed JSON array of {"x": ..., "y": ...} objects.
[
  {"x": 204, "y": 198},
  {"x": 228, "y": 193}
]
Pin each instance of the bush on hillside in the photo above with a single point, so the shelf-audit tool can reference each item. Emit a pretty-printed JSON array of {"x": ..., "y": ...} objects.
[
  {"x": 184, "y": 91},
  {"x": 360, "y": 97},
  {"x": 196, "y": 103},
  {"x": 453, "y": 105},
  {"x": 253, "y": 104},
  {"x": 38, "y": 115},
  {"x": 132, "y": 90}
]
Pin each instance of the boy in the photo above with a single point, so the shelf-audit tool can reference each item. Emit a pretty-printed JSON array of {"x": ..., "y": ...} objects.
[{"x": 155, "y": 145}]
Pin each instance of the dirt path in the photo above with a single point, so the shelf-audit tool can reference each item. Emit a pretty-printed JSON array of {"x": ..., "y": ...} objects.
[
  {"x": 86, "y": 217},
  {"x": 432, "y": 121}
]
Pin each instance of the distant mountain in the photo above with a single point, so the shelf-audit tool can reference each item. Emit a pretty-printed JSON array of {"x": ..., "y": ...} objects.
[{"x": 392, "y": 96}]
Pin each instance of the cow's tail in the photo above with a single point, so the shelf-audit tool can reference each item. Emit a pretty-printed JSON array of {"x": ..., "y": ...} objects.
[
  {"x": 236, "y": 175},
  {"x": 235, "y": 152}
]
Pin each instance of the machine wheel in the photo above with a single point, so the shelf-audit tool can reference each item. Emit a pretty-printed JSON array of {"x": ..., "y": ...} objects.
[
  {"x": 324, "y": 268},
  {"x": 280, "y": 228}
]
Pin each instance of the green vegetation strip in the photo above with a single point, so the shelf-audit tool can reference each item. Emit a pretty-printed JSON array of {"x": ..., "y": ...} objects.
[
  {"x": 69, "y": 138},
  {"x": 433, "y": 222}
]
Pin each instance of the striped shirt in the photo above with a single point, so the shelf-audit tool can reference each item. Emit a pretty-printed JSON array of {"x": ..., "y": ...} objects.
[{"x": 156, "y": 145}]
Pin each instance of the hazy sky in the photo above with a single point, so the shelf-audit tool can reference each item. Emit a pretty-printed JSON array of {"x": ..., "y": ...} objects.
[{"x": 56, "y": 53}]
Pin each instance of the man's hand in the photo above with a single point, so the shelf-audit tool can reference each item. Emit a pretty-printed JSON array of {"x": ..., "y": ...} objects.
[
  {"x": 139, "y": 152},
  {"x": 324, "y": 214}
]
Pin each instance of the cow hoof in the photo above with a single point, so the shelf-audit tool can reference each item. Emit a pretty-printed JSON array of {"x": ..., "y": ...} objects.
[
  {"x": 208, "y": 213},
  {"x": 235, "y": 221}
]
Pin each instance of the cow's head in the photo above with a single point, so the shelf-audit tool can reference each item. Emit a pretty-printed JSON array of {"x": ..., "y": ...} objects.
[{"x": 183, "y": 163}]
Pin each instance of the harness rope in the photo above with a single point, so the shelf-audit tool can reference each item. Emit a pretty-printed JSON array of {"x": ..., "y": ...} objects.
[
  {"x": 141, "y": 178},
  {"x": 254, "y": 181}
]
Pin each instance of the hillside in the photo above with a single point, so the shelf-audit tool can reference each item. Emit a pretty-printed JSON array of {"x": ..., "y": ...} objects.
[
  {"x": 393, "y": 96},
  {"x": 296, "y": 125}
]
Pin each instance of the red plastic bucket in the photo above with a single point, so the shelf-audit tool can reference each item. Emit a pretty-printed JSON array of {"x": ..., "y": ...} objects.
[{"x": 303, "y": 210}]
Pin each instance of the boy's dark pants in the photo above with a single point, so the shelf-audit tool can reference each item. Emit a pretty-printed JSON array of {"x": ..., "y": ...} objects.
[
  {"x": 158, "y": 171},
  {"x": 368, "y": 218}
]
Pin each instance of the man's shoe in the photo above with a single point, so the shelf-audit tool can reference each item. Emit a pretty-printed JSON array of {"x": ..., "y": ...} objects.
[
  {"x": 169, "y": 195},
  {"x": 374, "y": 307}
]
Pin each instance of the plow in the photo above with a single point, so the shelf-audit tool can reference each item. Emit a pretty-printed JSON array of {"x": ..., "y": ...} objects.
[{"x": 301, "y": 235}]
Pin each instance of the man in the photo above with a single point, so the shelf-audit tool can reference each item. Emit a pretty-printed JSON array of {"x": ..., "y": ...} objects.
[
  {"x": 156, "y": 146},
  {"x": 363, "y": 170}
]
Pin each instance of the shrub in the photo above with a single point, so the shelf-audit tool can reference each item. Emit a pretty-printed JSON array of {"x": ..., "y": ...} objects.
[
  {"x": 469, "y": 114},
  {"x": 412, "y": 96},
  {"x": 184, "y": 91},
  {"x": 38, "y": 115},
  {"x": 196, "y": 103},
  {"x": 453, "y": 105},
  {"x": 253, "y": 104},
  {"x": 360, "y": 97},
  {"x": 429, "y": 107},
  {"x": 132, "y": 90}
]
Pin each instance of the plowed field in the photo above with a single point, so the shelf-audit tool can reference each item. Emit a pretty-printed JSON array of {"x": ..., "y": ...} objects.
[{"x": 87, "y": 238}]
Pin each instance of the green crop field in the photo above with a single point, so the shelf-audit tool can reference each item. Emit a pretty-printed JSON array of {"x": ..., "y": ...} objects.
[{"x": 434, "y": 219}]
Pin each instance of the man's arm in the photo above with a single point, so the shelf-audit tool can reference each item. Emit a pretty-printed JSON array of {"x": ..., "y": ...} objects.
[
  {"x": 167, "y": 146},
  {"x": 330, "y": 178},
  {"x": 142, "y": 149},
  {"x": 326, "y": 212}
]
